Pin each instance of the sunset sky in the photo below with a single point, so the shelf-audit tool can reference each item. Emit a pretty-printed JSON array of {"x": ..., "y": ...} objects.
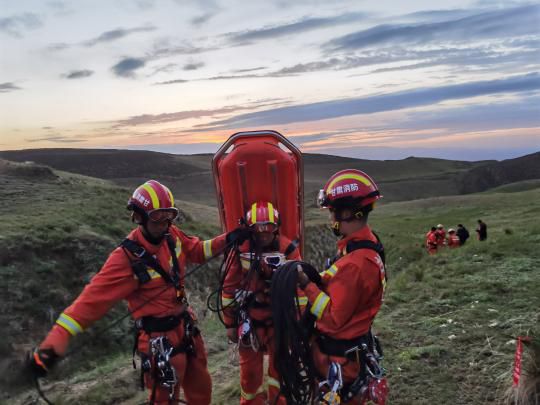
[{"x": 368, "y": 79}]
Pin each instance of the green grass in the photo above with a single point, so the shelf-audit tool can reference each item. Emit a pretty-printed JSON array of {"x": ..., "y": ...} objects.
[{"x": 447, "y": 323}]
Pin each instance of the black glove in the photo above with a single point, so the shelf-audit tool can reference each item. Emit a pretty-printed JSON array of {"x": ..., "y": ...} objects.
[
  {"x": 239, "y": 235},
  {"x": 40, "y": 361},
  {"x": 311, "y": 272}
]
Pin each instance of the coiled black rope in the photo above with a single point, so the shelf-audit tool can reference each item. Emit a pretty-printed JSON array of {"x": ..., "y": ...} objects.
[
  {"x": 214, "y": 301},
  {"x": 292, "y": 332}
]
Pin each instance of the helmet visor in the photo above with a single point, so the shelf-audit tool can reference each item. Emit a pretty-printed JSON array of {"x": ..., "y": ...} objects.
[
  {"x": 264, "y": 227},
  {"x": 322, "y": 200},
  {"x": 163, "y": 214}
]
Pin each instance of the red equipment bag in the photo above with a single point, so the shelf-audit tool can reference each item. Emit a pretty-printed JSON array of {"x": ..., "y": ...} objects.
[{"x": 260, "y": 166}]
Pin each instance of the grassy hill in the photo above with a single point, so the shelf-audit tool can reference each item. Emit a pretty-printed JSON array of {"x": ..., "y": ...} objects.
[
  {"x": 190, "y": 177},
  {"x": 447, "y": 323}
]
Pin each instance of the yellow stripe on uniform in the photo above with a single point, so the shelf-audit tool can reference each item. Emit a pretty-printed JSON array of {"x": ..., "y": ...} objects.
[
  {"x": 361, "y": 179},
  {"x": 320, "y": 304},
  {"x": 207, "y": 248},
  {"x": 69, "y": 324},
  {"x": 331, "y": 271},
  {"x": 152, "y": 194},
  {"x": 247, "y": 395},
  {"x": 254, "y": 213},
  {"x": 271, "y": 212},
  {"x": 225, "y": 301},
  {"x": 170, "y": 196},
  {"x": 302, "y": 301},
  {"x": 246, "y": 263},
  {"x": 152, "y": 273},
  {"x": 178, "y": 248},
  {"x": 273, "y": 382}
]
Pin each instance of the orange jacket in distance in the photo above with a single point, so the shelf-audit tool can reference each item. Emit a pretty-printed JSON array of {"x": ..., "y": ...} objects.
[
  {"x": 116, "y": 281},
  {"x": 352, "y": 290},
  {"x": 440, "y": 235},
  {"x": 453, "y": 240}
]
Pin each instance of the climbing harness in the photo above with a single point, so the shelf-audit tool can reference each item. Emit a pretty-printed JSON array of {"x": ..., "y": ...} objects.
[{"x": 225, "y": 250}]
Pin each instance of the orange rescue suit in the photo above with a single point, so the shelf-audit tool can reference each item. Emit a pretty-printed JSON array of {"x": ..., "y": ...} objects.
[
  {"x": 116, "y": 281},
  {"x": 251, "y": 362},
  {"x": 351, "y": 296},
  {"x": 453, "y": 241},
  {"x": 431, "y": 242}
]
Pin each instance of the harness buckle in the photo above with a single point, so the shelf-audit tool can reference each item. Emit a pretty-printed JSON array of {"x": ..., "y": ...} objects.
[{"x": 139, "y": 253}]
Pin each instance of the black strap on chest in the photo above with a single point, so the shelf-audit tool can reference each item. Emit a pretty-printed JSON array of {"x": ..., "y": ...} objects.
[
  {"x": 292, "y": 247},
  {"x": 144, "y": 260},
  {"x": 366, "y": 244}
]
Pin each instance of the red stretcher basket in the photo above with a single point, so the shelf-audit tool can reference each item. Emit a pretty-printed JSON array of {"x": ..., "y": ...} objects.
[{"x": 260, "y": 166}]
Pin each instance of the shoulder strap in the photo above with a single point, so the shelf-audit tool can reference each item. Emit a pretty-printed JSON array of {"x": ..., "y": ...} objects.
[
  {"x": 143, "y": 256},
  {"x": 366, "y": 244},
  {"x": 291, "y": 248},
  {"x": 175, "y": 266}
]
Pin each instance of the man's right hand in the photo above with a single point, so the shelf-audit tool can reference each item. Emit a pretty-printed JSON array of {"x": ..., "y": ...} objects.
[
  {"x": 40, "y": 361},
  {"x": 232, "y": 334},
  {"x": 238, "y": 235}
]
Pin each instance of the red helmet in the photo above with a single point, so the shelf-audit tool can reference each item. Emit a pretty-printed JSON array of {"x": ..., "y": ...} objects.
[
  {"x": 154, "y": 200},
  {"x": 349, "y": 188},
  {"x": 263, "y": 217}
]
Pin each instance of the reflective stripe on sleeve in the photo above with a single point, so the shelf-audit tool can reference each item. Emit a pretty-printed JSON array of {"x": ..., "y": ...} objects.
[
  {"x": 273, "y": 382},
  {"x": 249, "y": 396},
  {"x": 331, "y": 271},
  {"x": 320, "y": 304},
  {"x": 302, "y": 301},
  {"x": 226, "y": 301},
  {"x": 207, "y": 247},
  {"x": 69, "y": 324}
]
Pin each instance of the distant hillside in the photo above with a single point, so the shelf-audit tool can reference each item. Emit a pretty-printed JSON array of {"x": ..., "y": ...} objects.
[
  {"x": 190, "y": 176},
  {"x": 496, "y": 174},
  {"x": 447, "y": 323}
]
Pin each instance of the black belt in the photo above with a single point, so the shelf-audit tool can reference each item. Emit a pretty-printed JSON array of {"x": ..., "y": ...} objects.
[
  {"x": 339, "y": 347},
  {"x": 153, "y": 324}
]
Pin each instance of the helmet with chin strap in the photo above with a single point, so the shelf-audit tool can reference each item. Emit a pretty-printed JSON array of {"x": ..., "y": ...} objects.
[
  {"x": 351, "y": 191},
  {"x": 153, "y": 201}
]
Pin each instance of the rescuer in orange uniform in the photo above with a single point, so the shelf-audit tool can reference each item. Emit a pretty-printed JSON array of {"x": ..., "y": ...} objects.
[
  {"x": 431, "y": 241},
  {"x": 453, "y": 240},
  {"x": 246, "y": 301},
  {"x": 353, "y": 286},
  {"x": 440, "y": 235},
  {"x": 147, "y": 270}
]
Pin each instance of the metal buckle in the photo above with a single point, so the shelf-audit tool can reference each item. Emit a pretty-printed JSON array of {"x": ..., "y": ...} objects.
[{"x": 140, "y": 253}]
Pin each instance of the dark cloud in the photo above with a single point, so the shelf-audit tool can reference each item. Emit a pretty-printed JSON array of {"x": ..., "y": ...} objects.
[
  {"x": 384, "y": 102},
  {"x": 59, "y": 46},
  {"x": 113, "y": 35},
  {"x": 56, "y": 139},
  {"x": 78, "y": 74},
  {"x": 508, "y": 114},
  {"x": 494, "y": 24},
  {"x": 184, "y": 115},
  {"x": 164, "y": 50},
  {"x": 8, "y": 86},
  {"x": 176, "y": 81},
  {"x": 127, "y": 67},
  {"x": 439, "y": 15},
  {"x": 203, "y": 18},
  {"x": 306, "y": 24},
  {"x": 17, "y": 24},
  {"x": 193, "y": 65},
  {"x": 249, "y": 70}
]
